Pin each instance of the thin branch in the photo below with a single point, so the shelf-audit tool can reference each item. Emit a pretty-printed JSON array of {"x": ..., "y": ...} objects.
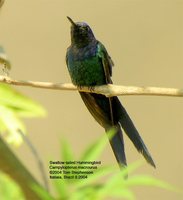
[
  {"x": 37, "y": 157},
  {"x": 107, "y": 90}
]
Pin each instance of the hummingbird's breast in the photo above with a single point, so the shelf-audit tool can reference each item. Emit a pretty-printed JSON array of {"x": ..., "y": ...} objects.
[{"x": 85, "y": 66}]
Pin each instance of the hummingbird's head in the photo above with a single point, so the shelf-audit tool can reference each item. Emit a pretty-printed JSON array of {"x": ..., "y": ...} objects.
[{"x": 81, "y": 33}]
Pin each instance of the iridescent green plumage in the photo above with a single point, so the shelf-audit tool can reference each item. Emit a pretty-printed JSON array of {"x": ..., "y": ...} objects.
[{"x": 89, "y": 64}]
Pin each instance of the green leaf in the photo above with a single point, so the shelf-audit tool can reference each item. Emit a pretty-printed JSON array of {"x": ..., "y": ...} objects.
[
  {"x": 88, "y": 193},
  {"x": 61, "y": 185},
  {"x": 42, "y": 193},
  {"x": 9, "y": 189},
  {"x": 120, "y": 177},
  {"x": 96, "y": 148},
  {"x": 10, "y": 123},
  {"x": 147, "y": 180},
  {"x": 119, "y": 192},
  {"x": 105, "y": 182},
  {"x": 98, "y": 175},
  {"x": 66, "y": 151},
  {"x": 19, "y": 103},
  {"x": 62, "y": 188},
  {"x": 117, "y": 182},
  {"x": 14, "y": 105}
]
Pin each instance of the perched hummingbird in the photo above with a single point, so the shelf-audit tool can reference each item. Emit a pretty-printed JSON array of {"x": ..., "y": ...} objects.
[{"x": 90, "y": 65}]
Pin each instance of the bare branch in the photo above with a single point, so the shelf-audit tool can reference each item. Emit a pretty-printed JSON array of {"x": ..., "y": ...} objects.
[{"x": 107, "y": 90}]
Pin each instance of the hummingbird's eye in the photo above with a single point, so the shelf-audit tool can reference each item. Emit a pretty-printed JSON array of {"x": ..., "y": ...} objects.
[
  {"x": 84, "y": 29},
  {"x": 87, "y": 28}
]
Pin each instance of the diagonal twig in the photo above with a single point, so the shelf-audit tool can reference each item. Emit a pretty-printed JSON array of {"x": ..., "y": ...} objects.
[{"x": 37, "y": 157}]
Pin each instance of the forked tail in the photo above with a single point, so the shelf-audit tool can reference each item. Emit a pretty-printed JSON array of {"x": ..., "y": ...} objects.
[{"x": 131, "y": 131}]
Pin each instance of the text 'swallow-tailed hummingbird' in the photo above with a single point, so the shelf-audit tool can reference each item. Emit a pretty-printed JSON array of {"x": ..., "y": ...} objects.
[{"x": 89, "y": 64}]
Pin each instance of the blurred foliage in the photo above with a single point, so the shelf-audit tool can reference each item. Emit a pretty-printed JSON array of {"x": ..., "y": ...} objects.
[
  {"x": 9, "y": 190},
  {"x": 14, "y": 106},
  {"x": 106, "y": 182}
]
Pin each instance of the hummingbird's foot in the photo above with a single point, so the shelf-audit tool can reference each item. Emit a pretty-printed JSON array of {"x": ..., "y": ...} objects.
[
  {"x": 80, "y": 87},
  {"x": 91, "y": 88}
]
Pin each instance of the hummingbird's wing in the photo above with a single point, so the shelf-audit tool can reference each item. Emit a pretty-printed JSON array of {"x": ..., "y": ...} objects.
[
  {"x": 106, "y": 61},
  {"x": 98, "y": 106},
  {"x": 66, "y": 57},
  {"x": 117, "y": 109},
  {"x": 107, "y": 64},
  {"x": 101, "y": 108}
]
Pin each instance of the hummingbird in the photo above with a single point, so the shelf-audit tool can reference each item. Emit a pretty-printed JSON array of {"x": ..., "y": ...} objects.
[{"x": 89, "y": 64}]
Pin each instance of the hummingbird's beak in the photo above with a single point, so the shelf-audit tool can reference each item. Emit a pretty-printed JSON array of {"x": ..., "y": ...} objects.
[{"x": 72, "y": 22}]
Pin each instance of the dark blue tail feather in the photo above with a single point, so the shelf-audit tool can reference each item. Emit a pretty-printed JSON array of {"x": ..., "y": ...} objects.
[{"x": 131, "y": 131}]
